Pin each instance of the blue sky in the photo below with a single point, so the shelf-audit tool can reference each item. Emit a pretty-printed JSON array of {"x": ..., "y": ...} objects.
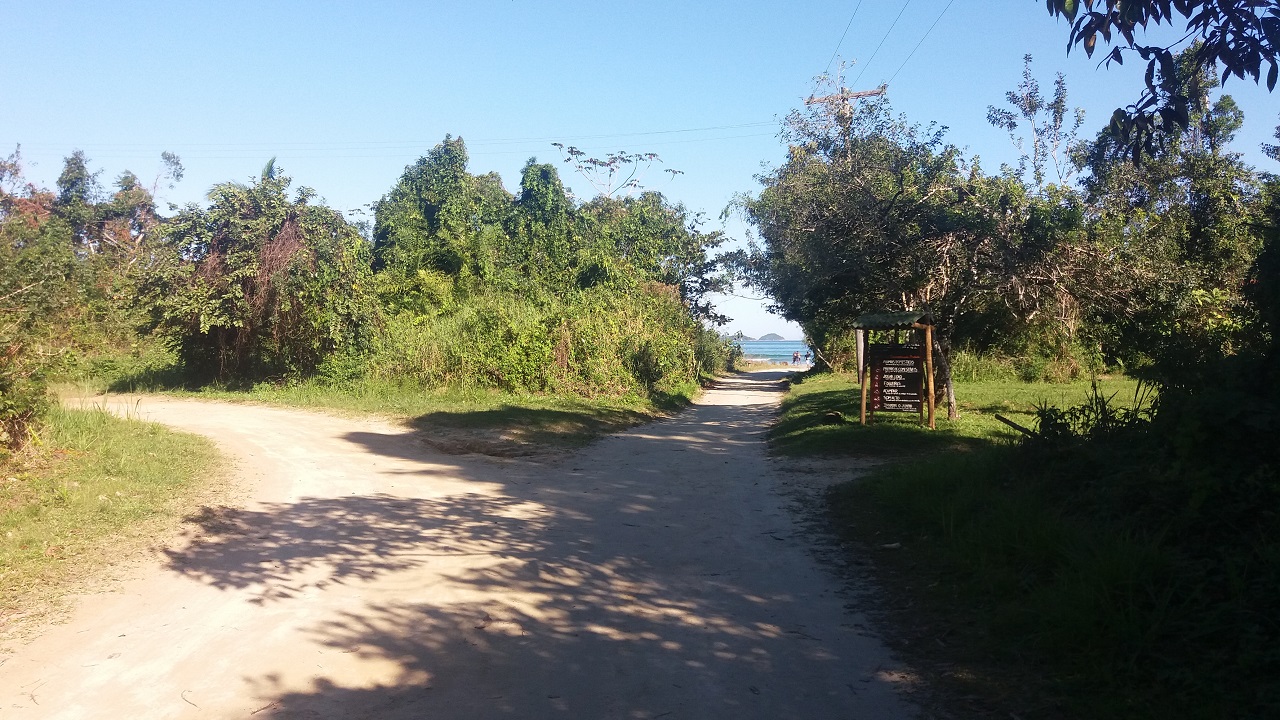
[{"x": 346, "y": 94}]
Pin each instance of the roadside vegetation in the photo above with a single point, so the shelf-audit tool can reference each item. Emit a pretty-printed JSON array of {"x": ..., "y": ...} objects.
[
  {"x": 457, "y": 286},
  {"x": 93, "y": 488},
  {"x": 1084, "y": 572},
  {"x": 1119, "y": 556},
  {"x": 492, "y": 321}
]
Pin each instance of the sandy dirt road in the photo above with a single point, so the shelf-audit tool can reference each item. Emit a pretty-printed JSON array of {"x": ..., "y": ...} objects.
[{"x": 654, "y": 574}]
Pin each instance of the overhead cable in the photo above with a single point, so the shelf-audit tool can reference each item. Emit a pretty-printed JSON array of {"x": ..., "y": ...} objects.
[
  {"x": 846, "y": 32},
  {"x": 243, "y": 152},
  {"x": 410, "y": 144},
  {"x": 886, "y": 37},
  {"x": 917, "y": 47}
]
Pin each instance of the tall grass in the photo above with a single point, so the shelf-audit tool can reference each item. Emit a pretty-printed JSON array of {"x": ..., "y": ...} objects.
[
  {"x": 1063, "y": 365},
  {"x": 1078, "y": 596}
]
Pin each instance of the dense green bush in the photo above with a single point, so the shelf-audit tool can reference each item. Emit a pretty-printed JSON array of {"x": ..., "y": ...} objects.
[
  {"x": 1029, "y": 364},
  {"x": 39, "y": 281},
  {"x": 461, "y": 284},
  {"x": 259, "y": 285},
  {"x": 532, "y": 292},
  {"x": 597, "y": 341}
]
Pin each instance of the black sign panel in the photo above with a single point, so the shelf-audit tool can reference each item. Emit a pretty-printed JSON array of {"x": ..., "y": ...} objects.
[{"x": 897, "y": 376}]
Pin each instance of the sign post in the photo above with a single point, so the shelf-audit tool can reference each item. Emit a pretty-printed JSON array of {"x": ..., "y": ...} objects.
[
  {"x": 897, "y": 377},
  {"x": 928, "y": 374}
]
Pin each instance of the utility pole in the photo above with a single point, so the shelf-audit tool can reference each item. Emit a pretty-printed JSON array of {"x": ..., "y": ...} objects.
[
  {"x": 845, "y": 95},
  {"x": 838, "y": 103}
]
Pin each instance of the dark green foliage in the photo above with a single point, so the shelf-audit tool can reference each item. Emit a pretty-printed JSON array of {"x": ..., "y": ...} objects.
[
  {"x": 1197, "y": 475},
  {"x": 38, "y": 279},
  {"x": 260, "y": 285},
  {"x": 1262, "y": 289},
  {"x": 1125, "y": 559},
  {"x": 1237, "y": 37},
  {"x": 536, "y": 293},
  {"x": 873, "y": 213},
  {"x": 1184, "y": 226}
]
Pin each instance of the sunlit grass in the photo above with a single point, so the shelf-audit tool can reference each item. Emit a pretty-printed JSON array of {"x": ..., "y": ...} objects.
[
  {"x": 820, "y": 415},
  {"x": 462, "y": 419},
  {"x": 94, "y": 488}
]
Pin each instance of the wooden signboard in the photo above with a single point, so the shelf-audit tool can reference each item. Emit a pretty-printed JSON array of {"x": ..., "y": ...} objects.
[{"x": 897, "y": 378}]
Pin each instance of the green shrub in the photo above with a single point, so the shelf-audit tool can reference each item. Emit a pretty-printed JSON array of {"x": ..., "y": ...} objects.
[
  {"x": 1029, "y": 363},
  {"x": 261, "y": 285},
  {"x": 23, "y": 398},
  {"x": 597, "y": 341},
  {"x": 968, "y": 366}
]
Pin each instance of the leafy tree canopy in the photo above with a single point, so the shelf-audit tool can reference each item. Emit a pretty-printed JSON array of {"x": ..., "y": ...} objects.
[{"x": 1236, "y": 37}]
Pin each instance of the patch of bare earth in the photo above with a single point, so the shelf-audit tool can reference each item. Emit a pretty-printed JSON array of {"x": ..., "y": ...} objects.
[{"x": 656, "y": 573}]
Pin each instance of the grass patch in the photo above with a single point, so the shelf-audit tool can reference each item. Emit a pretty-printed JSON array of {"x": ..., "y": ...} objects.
[
  {"x": 1005, "y": 583},
  {"x": 94, "y": 489},
  {"x": 453, "y": 419},
  {"x": 1010, "y": 600},
  {"x": 820, "y": 416}
]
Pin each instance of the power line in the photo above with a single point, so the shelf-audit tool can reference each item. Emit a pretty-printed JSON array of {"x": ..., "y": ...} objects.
[
  {"x": 886, "y": 37},
  {"x": 846, "y": 32},
  {"x": 917, "y": 47}
]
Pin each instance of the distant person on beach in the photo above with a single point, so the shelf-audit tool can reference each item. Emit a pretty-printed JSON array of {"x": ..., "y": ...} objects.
[
  {"x": 806, "y": 357},
  {"x": 795, "y": 358}
]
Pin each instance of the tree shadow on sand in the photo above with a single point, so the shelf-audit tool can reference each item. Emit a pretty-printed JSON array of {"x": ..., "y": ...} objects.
[{"x": 577, "y": 591}]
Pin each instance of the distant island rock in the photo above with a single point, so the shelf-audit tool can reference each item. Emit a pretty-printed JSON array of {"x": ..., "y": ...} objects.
[{"x": 772, "y": 337}]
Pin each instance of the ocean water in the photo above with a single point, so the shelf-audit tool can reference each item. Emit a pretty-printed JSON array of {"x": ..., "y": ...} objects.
[{"x": 778, "y": 351}]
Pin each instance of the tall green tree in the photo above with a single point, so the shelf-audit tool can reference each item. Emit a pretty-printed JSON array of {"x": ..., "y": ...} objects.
[
  {"x": 859, "y": 219},
  {"x": 647, "y": 238},
  {"x": 871, "y": 212},
  {"x": 424, "y": 220},
  {"x": 1043, "y": 129},
  {"x": 1183, "y": 224},
  {"x": 259, "y": 284},
  {"x": 441, "y": 230},
  {"x": 543, "y": 245}
]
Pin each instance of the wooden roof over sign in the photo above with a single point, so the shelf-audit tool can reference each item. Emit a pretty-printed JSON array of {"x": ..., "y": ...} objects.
[{"x": 900, "y": 320}]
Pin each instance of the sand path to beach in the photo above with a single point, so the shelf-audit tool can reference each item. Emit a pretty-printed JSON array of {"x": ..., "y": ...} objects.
[{"x": 654, "y": 574}]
